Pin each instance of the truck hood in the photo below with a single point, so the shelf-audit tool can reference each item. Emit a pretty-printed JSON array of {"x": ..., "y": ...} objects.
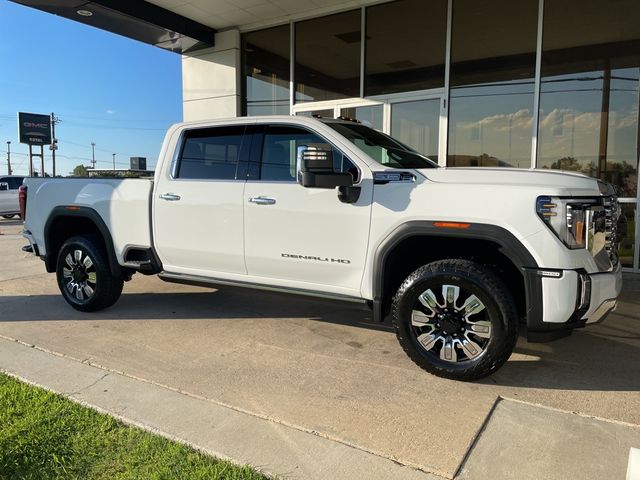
[{"x": 575, "y": 183}]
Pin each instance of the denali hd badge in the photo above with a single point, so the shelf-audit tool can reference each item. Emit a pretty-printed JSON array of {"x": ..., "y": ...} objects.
[{"x": 317, "y": 259}]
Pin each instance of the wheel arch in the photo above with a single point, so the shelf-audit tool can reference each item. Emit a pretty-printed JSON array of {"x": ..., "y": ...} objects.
[
  {"x": 65, "y": 222},
  {"x": 489, "y": 242}
]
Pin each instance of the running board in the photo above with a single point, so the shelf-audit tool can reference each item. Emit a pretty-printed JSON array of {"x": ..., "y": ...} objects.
[{"x": 199, "y": 281}]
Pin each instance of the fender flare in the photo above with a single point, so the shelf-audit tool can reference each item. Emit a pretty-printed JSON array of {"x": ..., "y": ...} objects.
[
  {"x": 508, "y": 244},
  {"x": 80, "y": 212}
]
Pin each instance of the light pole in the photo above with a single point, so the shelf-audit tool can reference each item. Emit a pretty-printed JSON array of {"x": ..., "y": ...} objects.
[
  {"x": 114, "y": 160},
  {"x": 93, "y": 155},
  {"x": 9, "y": 156}
]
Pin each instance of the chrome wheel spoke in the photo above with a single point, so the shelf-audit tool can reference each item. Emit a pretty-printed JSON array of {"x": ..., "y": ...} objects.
[
  {"x": 87, "y": 290},
  {"x": 91, "y": 277},
  {"x": 450, "y": 293},
  {"x": 428, "y": 340},
  {"x": 428, "y": 300},
  {"x": 420, "y": 319},
  {"x": 70, "y": 286},
  {"x": 472, "y": 305},
  {"x": 87, "y": 262},
  {"x": 448, "y": 352},
  {"x": 79, "y": 295},
  {"x": 77, "y": 256},
  {"x": 66, "y": 272},
  {"x": 69, "y": 260},
  {"x": 471, "y": 348},
  {"x": 481, "y": 328}
]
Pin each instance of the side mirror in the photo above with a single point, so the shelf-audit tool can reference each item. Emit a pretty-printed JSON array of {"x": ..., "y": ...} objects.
[
  {"x": 315, "y": 167},
  {"x": 4, "y": 186}
]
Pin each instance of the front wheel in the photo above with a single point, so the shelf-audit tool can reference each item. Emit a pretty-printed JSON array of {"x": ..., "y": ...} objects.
[
  {"x": 456, "y": 319},
  {"x": 84, "y": 277}
]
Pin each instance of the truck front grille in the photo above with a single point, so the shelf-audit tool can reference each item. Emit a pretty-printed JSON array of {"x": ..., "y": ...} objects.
[{"x": 612, "y": 215}]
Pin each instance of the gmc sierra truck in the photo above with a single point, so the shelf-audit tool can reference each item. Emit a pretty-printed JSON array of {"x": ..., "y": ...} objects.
[{"x": 459, "y": 257}]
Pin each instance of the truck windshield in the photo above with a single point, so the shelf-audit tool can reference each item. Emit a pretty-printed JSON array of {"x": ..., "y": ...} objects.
[{"x": 381, "y": 147}]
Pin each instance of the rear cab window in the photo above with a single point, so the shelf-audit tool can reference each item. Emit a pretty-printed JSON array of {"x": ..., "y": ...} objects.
[{"x": 213, "y": 153}]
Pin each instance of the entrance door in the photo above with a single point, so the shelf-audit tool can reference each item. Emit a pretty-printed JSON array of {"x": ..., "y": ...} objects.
[
  {"x": 417, "y": 119},
  {"x": 417, "y": 124}
]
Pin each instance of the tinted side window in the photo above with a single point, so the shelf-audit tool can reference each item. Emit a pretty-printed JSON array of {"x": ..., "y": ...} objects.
[
  {"x": 279, "y": 153},
  {"x": 211, "y": 153},
  {"x": 14, "y": 182}
]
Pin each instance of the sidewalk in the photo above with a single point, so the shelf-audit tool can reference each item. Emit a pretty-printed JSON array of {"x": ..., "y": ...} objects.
[{"x": 223, "y": 432}]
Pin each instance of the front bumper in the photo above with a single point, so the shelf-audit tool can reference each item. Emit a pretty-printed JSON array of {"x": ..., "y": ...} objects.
[
  {"x": 560, "y": 300},
  {"x": 605, "y": 289}
]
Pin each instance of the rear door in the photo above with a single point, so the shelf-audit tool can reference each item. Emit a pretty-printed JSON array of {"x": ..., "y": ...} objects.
[{"x": 198, "y": 204}]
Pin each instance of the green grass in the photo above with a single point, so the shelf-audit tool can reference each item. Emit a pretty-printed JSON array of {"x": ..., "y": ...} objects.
[{"x": 46, "y": 436}]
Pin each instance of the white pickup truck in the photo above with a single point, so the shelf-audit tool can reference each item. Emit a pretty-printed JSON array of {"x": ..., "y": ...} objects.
[
  {"x": 9, "y": 204},
  {"x": 458, "y": 256}
]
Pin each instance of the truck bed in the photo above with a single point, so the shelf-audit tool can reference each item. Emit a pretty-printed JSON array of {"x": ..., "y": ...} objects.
[{"x": 123, "y": 204}]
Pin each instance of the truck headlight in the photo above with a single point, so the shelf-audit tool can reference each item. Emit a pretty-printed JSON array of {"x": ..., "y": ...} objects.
[{"x": 568, "y": 218}]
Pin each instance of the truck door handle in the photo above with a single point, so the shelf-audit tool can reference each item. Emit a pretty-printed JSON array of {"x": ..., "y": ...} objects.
[
  {"x": 262, "y": 200},
  {"x": 170, "y": 197}
]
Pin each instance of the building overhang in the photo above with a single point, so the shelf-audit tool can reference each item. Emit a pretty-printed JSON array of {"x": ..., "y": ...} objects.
[{"x": 139, "y": 20}]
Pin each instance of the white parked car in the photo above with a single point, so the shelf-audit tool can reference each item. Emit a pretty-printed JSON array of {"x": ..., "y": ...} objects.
[
  {"x": 458, "y": 257},
  {"x": 9, "y": 205}
]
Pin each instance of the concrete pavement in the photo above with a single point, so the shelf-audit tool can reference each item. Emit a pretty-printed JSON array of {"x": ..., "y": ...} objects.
[{"x": 319, "y": 367}]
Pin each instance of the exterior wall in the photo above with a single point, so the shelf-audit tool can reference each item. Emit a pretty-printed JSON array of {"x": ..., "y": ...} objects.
[{"x": 210, "y": 80}]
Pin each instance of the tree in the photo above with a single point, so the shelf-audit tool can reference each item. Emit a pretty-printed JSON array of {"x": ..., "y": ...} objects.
[
  {"x": 566, "y": 163},
  {"x": 80, "y": 171}
]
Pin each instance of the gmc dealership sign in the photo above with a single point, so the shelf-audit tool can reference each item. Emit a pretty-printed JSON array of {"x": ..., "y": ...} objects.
[{"x": 34, "y": 128}]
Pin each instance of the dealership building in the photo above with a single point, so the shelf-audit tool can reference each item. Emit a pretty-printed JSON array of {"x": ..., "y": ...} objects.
[{"x": 483, "y": 83}]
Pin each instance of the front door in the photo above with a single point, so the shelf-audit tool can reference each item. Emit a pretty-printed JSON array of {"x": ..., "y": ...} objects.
[
  {"x": 198, "y": 206},
  {"x": 301, "y": 237}
]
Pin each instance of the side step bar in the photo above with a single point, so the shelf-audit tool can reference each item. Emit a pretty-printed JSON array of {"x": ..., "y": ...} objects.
[{"x": 216, "y": 282}]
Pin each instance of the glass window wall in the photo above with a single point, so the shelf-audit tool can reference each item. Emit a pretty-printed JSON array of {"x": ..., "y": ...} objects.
[
  {"x": 327, "y": 57},
  {"x": 492, "y": 82},
  {"x": 589, "y": 90},
  {"x": 405, "y": 46},
  {"x": 266, "y": 66}
]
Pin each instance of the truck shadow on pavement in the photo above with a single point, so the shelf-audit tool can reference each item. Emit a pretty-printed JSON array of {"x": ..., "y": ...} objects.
[{"x": 602, "y": 357}]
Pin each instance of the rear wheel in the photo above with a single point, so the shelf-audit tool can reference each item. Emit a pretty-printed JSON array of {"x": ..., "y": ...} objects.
[
  {"x": 456, "y": 319},
  {"x": 84, "y": 277},
  {"x": 8, "y": 216}
]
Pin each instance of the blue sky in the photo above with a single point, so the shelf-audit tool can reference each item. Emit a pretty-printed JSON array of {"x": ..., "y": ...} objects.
[{"x": 111, "y": 90}]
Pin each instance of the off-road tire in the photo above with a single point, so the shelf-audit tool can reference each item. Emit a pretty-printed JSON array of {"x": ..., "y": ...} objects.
[
  {"x": 501, "y": 310},
  {"x": 108, "y": 287}
]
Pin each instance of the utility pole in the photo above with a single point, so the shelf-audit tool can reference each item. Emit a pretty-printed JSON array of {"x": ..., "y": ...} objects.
[
  {"x": 114, "y": 160},
  {"x": 93, "y": 155},
  {"x": 54, "y": 142},
  {"x": 9, "y": 157}
]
